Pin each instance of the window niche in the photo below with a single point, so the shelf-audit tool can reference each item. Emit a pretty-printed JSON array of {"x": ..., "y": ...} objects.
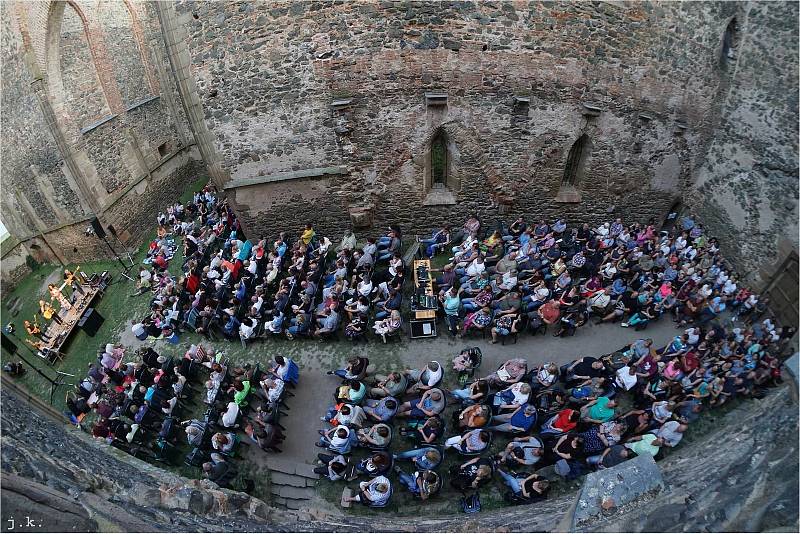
[
  {"x": 574, "y": 170},
  {"x": 163, "y": 150},
  {"x": 439, "y": 161},
  {"x": 441, "y": 184},
  {"x": 730, "y": 41}
]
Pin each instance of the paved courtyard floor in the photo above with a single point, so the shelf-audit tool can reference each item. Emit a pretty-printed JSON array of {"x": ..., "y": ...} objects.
[{"x": 315, "y": 393}]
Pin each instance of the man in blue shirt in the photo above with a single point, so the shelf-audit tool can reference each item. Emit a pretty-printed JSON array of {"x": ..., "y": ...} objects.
[
  {"x": 519, "y": 421},
  {"x": 329, "y": 322}
]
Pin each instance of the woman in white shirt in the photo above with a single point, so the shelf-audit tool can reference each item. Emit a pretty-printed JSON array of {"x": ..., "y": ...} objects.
[
  {"x": 247, "y": 328},
  {"x": 365, "y": 287},
  {"x": 272, "y": 388},
  {"x": 230, "y": 415}
]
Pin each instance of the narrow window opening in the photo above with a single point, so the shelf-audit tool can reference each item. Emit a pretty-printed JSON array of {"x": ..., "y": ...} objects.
[
  {"x": 439, "y": 161},
  {"x": 729, "y": 42},
  {"x": 575, "y": 161},
  {"x": 441, "y": 171},
  {"x": 163, "y": 150},
  {"x": 574, "y": 170}
]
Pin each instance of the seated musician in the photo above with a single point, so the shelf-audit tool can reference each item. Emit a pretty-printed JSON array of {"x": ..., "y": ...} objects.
[
  {"x": 48, "y": 312},
  {"x": 34, "y": 330}
]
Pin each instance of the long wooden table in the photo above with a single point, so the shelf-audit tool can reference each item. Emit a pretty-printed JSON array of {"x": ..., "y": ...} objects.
[
  {"x": 423, "y": 318},
  {"x": 58, "y": 334}
]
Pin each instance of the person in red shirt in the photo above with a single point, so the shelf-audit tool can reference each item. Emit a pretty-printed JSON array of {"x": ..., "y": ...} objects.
[{"x": 550, "y": 312}]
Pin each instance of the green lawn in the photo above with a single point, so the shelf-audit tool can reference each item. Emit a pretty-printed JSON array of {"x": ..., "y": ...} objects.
[{"x": 117, "y": 307}]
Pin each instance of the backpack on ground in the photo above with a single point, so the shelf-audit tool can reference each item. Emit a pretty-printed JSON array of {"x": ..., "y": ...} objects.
[{"x": 471, "y": 504}]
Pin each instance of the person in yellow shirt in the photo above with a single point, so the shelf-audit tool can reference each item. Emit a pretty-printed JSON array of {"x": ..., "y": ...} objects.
[
  {"x": 307, "y": 235},
  {"x": 48, "y": 312}
]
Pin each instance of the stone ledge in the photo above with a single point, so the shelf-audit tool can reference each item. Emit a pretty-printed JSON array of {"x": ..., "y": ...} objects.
[
  {"x": 606, "y": 491},
  {"x": 440, "y": 197},
  {"x": 97, "y": 124},
  {"x": 568, "y": 196},
  {"x": 140, "y": 103},
  {"x": 283, "y": 176}
]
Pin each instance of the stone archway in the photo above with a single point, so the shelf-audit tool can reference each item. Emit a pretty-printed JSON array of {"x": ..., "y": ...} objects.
[{"x": 74, "y": 111}]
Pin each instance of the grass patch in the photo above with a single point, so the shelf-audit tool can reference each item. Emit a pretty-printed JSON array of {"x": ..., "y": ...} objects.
[{"x": 117, "y": 307}]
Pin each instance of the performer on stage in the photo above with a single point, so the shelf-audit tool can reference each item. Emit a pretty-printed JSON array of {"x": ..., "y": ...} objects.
[
  {"x": 55, "y": 293},
  {"x": 73, "y": 280},
  {"x": 48, "y": 312},
  {"x": 34, "y": 330}
]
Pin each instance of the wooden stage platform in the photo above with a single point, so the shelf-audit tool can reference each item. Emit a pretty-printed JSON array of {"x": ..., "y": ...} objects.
[{"x": 59, "y": 333}]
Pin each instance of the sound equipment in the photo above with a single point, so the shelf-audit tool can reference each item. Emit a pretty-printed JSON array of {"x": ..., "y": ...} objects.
[
  {"x": 91, "y": 322},
  {"x": 423, "y": 276},
  {"x": 427, "y": 302},
  {"x": 98, "y": 228},
  {"x": 9, "y": 345},
  {"x": 422, "y": 328}
]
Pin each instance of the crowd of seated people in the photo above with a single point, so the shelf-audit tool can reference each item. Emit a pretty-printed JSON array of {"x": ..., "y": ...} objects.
[
  {"x": 526, "y": 278},
  {"x": 523, "y": 277},
  {"x": 136, "y": 404},
  {"x": 232, "y": 287},
  {"x": 500, "y": 283},
  {"x": 531, "y": 277},
  {"x": 567, "y": 419}
]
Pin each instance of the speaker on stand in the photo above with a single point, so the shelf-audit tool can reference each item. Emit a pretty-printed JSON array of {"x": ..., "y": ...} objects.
[
  {"x": 8, "y": 344},
  {"x": 113, "y": 232},
  {"x": 101, "y": 233}
]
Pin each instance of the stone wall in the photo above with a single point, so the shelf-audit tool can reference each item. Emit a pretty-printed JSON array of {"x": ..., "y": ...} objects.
[
  {"x": 516, "y": 76},
  {"x": 737, "y": 471},
  {"x": 135, "y": 213},
  {"x": 98, "y": 95},
  {"x": 93, "y": 125},
  {"x": 26, "y": 141},
  {"x": 125, "y": 52},
  {"x": 83, "y": 93},
  {"x": 13, "y": 263},
  {"x": 748, "y": 180}
]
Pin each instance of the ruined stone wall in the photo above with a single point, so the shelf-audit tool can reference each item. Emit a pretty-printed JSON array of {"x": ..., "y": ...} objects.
[
  {"x": 82, "y": 87},
  {"x": 737, "y": 472},
  {"x": 26, "y": 140},
  {"x": 136, "y": 212},
  {"x": 268, "y": 73},
  {"x": 92, "y": 124},
  {"x": 13, "y": 257},
  {"x": 748, "y": 179}
]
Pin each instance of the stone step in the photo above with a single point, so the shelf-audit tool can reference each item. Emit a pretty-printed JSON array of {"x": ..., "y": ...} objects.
[
  {"x": 306, "y": 471},
  {"x": 288, "y": 467},
  {"x": 411, "y": 252},
  {"x": 292, "y": 493},
  {"x": 282, "y": 479},
  {"x": 282, "y": 466}
]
